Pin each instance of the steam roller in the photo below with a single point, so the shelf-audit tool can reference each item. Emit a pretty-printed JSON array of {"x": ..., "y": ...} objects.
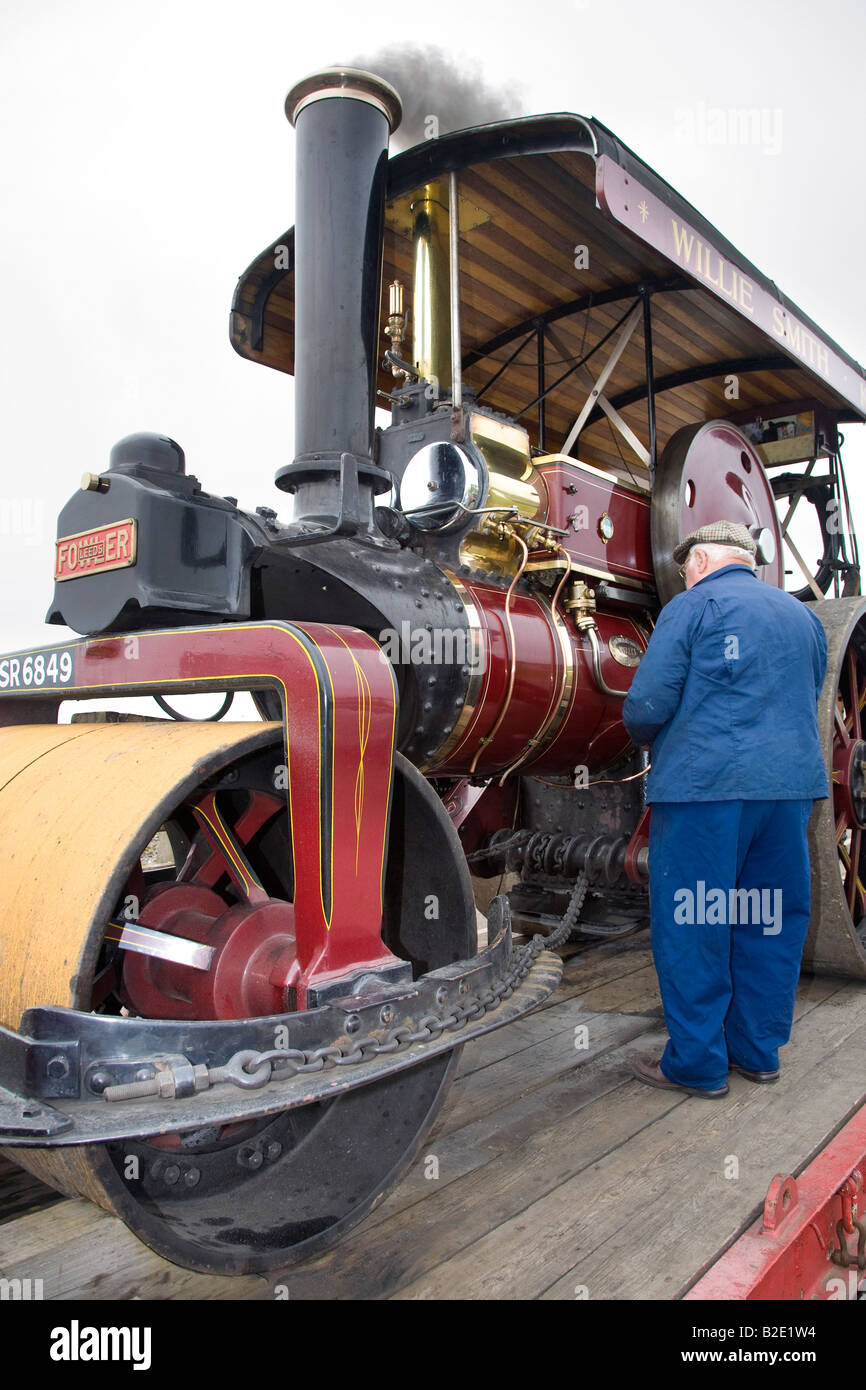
[
  {"x": 223, "y": 1196},
  {"x": 239, "y": 960}
]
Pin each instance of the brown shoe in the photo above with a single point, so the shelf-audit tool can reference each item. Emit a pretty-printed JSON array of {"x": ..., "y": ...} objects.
[
  {"x": 647, "y": 1069},
  {"x": 762, "y": 1078}
]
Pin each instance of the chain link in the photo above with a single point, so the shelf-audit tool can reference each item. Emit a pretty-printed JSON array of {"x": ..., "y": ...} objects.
[{"x": 251, "y": 1070}]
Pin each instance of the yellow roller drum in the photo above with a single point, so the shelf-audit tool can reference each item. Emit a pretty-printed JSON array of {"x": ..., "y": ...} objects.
[{"x": 78, "y": 803}]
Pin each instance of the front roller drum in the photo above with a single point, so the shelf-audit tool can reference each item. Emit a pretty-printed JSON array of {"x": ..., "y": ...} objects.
[{"x": 78, "y": 806}]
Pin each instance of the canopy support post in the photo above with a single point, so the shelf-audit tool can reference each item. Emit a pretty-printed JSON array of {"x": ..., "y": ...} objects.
[
  {"x": 646, "y": 295},
  {"x": 541, "y": 388}
]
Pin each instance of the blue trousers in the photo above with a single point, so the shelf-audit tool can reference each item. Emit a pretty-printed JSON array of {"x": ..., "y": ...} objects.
[{"x": 727, "y": 962}]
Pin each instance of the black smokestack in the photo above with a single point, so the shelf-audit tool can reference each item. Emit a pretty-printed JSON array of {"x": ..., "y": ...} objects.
[
  {"x": 437, "y": 95},
  {"x": 343, "y": 118}
]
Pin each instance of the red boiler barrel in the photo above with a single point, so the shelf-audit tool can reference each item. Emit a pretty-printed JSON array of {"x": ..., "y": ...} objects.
[{"x": 535, "y": 699}]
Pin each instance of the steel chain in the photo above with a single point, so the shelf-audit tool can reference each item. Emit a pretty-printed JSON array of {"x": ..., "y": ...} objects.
[
  {"x": 290, "y": 1063},
  {"x": 251, "y": 1070}
]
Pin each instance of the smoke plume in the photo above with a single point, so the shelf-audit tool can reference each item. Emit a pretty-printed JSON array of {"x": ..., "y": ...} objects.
[{"x": 432, "y": 86}]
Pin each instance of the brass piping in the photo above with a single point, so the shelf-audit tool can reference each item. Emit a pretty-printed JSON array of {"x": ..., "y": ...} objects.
[
  {"x": 431, "y": 350},
  {"x": 512, "y": 662},
  {"x": 591, "y": 631},
  {"x": 554, "y": 706},
  {"x": 600, "y": 781},
  {"x": 454, "y": 292},
  {"x": 596, "y": 782},
  {"x": 396, "y": 326}
]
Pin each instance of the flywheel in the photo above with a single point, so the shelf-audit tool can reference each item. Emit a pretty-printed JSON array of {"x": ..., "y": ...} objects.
[
  {"x": 711, "y": 473},
  {"x": 79, "y": 807}
]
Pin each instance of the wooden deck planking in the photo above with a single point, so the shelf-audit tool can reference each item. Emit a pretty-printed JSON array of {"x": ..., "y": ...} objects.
[
  {"x": 700, "y": 1211},
  {"x": 662, "y": 1190},
  {"x": 555, "y": 1168},
  {"x": 82, "y": 1253},
  {"x": 20, "y": 1192}
]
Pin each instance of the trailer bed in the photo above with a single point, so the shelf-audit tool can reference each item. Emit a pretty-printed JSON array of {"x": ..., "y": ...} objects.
[{"x": 559, "y": 1175}]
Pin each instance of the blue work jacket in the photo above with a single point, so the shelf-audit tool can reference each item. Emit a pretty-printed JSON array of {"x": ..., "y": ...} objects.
[{"x": 726, "y": 694}]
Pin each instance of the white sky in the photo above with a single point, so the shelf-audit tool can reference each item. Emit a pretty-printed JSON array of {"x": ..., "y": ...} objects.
[{"x": 146, "y": 160}]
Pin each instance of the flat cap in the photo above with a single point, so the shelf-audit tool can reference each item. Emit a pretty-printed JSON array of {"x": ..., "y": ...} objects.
[{"x": 717, "y": 533}]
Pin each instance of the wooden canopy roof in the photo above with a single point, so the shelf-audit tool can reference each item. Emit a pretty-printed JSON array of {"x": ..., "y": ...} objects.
[{"x": 531, "y": 193}]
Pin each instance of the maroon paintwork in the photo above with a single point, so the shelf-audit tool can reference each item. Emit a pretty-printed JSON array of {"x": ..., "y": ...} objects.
[
  {"x": 722, "y": 477},
  {"x": 587, "y": 731},
  {"x": 578, "y": 501},
  {"x": 593, "y": 734},
  {"x": 339, "y": 702}
]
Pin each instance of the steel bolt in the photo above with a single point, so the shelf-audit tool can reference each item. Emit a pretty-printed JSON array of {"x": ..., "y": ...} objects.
[
  {"x": 273, "y": 1150},
  {"x": 192, "y": 1177},
  {"x": 98, "y": 1082},
  {"x": 386, "y": 1013},
  {"x": 353, "y": 1023},
  {"x": 464, "y": 987},
  {"x": 171, "y": 1174},
  {"x": 250, "y": 1157},
  {"x": 441, "y": 994},
  {"x": 144, "y": 1074},
  {"x": 57, "y": 1067}
]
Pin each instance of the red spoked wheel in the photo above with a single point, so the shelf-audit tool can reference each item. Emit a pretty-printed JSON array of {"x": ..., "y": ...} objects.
[
  {"x": 849, "y": 783},
  {"x": 216, "y": 939},
  {"x": 837, "y": 832}
]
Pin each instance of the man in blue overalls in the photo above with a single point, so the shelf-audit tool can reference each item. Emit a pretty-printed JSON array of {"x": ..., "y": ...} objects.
[{"x": 726, "y": 696}]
